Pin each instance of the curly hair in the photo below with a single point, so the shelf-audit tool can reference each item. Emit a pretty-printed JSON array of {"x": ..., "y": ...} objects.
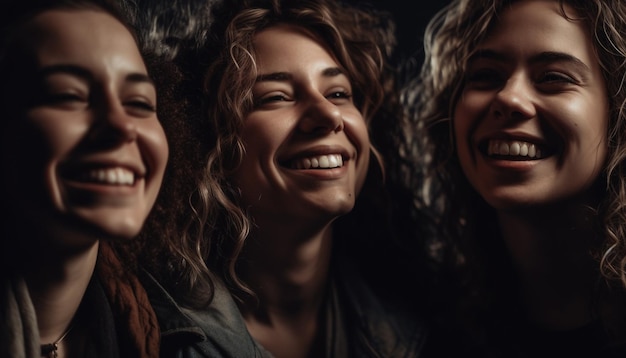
[
  {"x": 228, "y": 86},
  {"x": 172, "y": 36},
  {"x": 450, "y": 39}
]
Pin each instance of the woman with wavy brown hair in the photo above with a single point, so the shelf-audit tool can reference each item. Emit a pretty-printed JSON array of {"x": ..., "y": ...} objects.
[
  {"x": 524, "y": 106},
  {"x": 291, "y": 175}
]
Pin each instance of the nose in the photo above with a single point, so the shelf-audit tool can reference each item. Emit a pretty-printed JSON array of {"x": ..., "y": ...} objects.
[
  {"x": 114, "y": 125},
  {"x": 320, "y": 117},
  {"x": 514, "y": 100}
]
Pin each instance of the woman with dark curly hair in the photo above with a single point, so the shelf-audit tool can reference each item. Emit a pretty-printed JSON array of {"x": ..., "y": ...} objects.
[
  {"x": 84, "y": 155},
  {"x": 524, "y": 103}
]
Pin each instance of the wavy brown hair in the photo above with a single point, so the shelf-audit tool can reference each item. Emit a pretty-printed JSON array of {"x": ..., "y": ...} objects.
[{"x": 228, "y": 86}]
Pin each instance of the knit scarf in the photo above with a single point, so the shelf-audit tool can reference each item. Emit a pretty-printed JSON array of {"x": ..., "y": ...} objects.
[
  {"x": 136, "y": 322},
  {"x": 19, "y": 336}
]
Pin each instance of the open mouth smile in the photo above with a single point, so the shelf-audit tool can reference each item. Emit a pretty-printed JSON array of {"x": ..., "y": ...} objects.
[
  {"x": 326, "y": 161},
  {"x": 118, "y": 176},
  {"x": 514, "y": 150}
]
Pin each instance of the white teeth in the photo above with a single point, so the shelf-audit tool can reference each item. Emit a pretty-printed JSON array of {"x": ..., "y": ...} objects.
[
  {"x": 114, "y": 176},
  {"x": 321, "y": 161},
  {"x": 513, "y": 148},
  {"x": 333, "y": 162}
]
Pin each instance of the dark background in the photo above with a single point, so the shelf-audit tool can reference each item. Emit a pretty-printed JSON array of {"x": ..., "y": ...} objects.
[{"x": 411, "y": 18}]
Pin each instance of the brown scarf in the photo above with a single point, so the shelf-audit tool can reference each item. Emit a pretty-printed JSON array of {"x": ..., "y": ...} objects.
[{"x": 136, "y": 321}]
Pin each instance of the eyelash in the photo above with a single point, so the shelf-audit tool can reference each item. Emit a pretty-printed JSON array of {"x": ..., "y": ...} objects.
[
  {"x": 280, "y": 97},
  {"x": 141, "y": 105},
  {"x": 554, "y": 77},
  {"x": 63, "y": 97},
  {"x": 488, "y": 78},
  {"x": 484, "y": 78},
  {"x": 340, "y": 94},
  {"x": 265, "y": 100}
]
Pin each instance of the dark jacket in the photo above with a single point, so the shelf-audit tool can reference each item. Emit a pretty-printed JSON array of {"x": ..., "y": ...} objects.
[
  {"x": 216, "y": 331},
  {"x": 377, "y": 325},
  {"x": 358, "y": 321}
]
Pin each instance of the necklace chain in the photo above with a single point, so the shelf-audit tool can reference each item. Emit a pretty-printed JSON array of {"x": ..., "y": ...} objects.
[{"x": 50, "y": 350}]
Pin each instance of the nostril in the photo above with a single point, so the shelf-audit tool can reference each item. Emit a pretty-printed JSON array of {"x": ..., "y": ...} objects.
[{"x": 517, "y": 115}]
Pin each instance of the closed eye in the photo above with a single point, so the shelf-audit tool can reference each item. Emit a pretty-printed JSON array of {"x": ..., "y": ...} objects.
[
  {"x": 484, "y": 79},
  {"x": 141, "y": 105},
  {"x": 556, "y": 82},
  {"x": 140, "y": 108},
  {"x": 270, "y": 99},
  {"x": 551, "y": 77},
  {"x": 62, "y": 100}
]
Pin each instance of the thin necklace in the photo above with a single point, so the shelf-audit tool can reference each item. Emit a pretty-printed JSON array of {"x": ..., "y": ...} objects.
[{"x": 50, "y": 350}]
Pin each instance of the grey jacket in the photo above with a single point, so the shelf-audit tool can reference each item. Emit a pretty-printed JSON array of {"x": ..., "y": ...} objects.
[
  {"x": 214, "y": 332},
  {"x": 363, "y": 324}
]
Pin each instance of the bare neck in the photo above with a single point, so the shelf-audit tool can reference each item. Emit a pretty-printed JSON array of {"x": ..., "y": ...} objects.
[
  {"x": 288, "y": 270},
  {"x": 550, "y": 253},
  {"x": 57, "y": 286}
]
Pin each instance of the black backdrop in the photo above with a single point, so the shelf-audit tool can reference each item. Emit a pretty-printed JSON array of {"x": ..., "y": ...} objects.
[{"x": 411, "y": 18}]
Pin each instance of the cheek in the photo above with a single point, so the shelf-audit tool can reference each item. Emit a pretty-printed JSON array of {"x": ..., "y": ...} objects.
[
  {"x": 155, "y": 148},
  {"x": 35, "y": 146},
  {"x": 259, "y": 148},
  {"x": 357, "y": 132},
  {"x": 461, "y": 124},
  {"x": 362, "y": 171},
  {"x": 585, "y": 126},
  {"x": 48, "y": 138}
]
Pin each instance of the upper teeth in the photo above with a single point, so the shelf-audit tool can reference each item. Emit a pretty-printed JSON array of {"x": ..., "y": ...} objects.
[
  {"x": 112, "y": 176},
  {"x": 516, "y": 148},
  {"x": 321, "y": 161}
]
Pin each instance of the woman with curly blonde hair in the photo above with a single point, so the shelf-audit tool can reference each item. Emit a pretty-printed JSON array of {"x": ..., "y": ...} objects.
[{"x": 524, "y": 103}]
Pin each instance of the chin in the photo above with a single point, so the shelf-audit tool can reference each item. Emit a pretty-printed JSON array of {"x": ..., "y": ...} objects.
[
  {"x": 112, "y": 226},
  {"x": 340, "y": 207}
]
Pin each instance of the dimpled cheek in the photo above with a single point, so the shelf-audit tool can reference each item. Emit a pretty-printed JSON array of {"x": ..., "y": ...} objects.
[
  {"x": 155, "y": 150},
  {"x": 362, "y": 172},
  {"x": 363, "y": 147}
]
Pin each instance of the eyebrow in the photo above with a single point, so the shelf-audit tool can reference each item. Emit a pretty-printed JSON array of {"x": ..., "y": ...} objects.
[
  {"x": 83, "y": 73},
  {"x": 285, "y": 76},
  {"x": 69, "y": 69},
  {"x": 543, "y": 57}
]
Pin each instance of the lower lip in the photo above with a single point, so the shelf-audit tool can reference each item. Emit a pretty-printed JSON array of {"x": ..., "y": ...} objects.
[
  {"x": 103, "y": 189},
  {"x": 322, "y": 174},
  {"x": 518, "y": 165}
]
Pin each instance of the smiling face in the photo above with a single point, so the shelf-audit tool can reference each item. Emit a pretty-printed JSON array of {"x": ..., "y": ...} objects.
[
  {"x": 307, "y": 145},
  {"x": 531, "y": 121},
  {"x": 87, "y": 152}
]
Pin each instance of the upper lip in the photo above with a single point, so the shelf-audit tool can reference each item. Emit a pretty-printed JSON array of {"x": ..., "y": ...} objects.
[{"x": 518, "y": 136}]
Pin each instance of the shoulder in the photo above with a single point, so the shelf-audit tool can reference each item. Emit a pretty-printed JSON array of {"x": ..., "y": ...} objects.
[{"x": 217, "y": 330}]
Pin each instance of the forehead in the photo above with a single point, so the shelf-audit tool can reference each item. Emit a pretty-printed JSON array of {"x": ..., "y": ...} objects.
[
  {"x": 524, "y": 26},
  {"x": 74, "y": 32},
  {"x": 289, "y": 45}
]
